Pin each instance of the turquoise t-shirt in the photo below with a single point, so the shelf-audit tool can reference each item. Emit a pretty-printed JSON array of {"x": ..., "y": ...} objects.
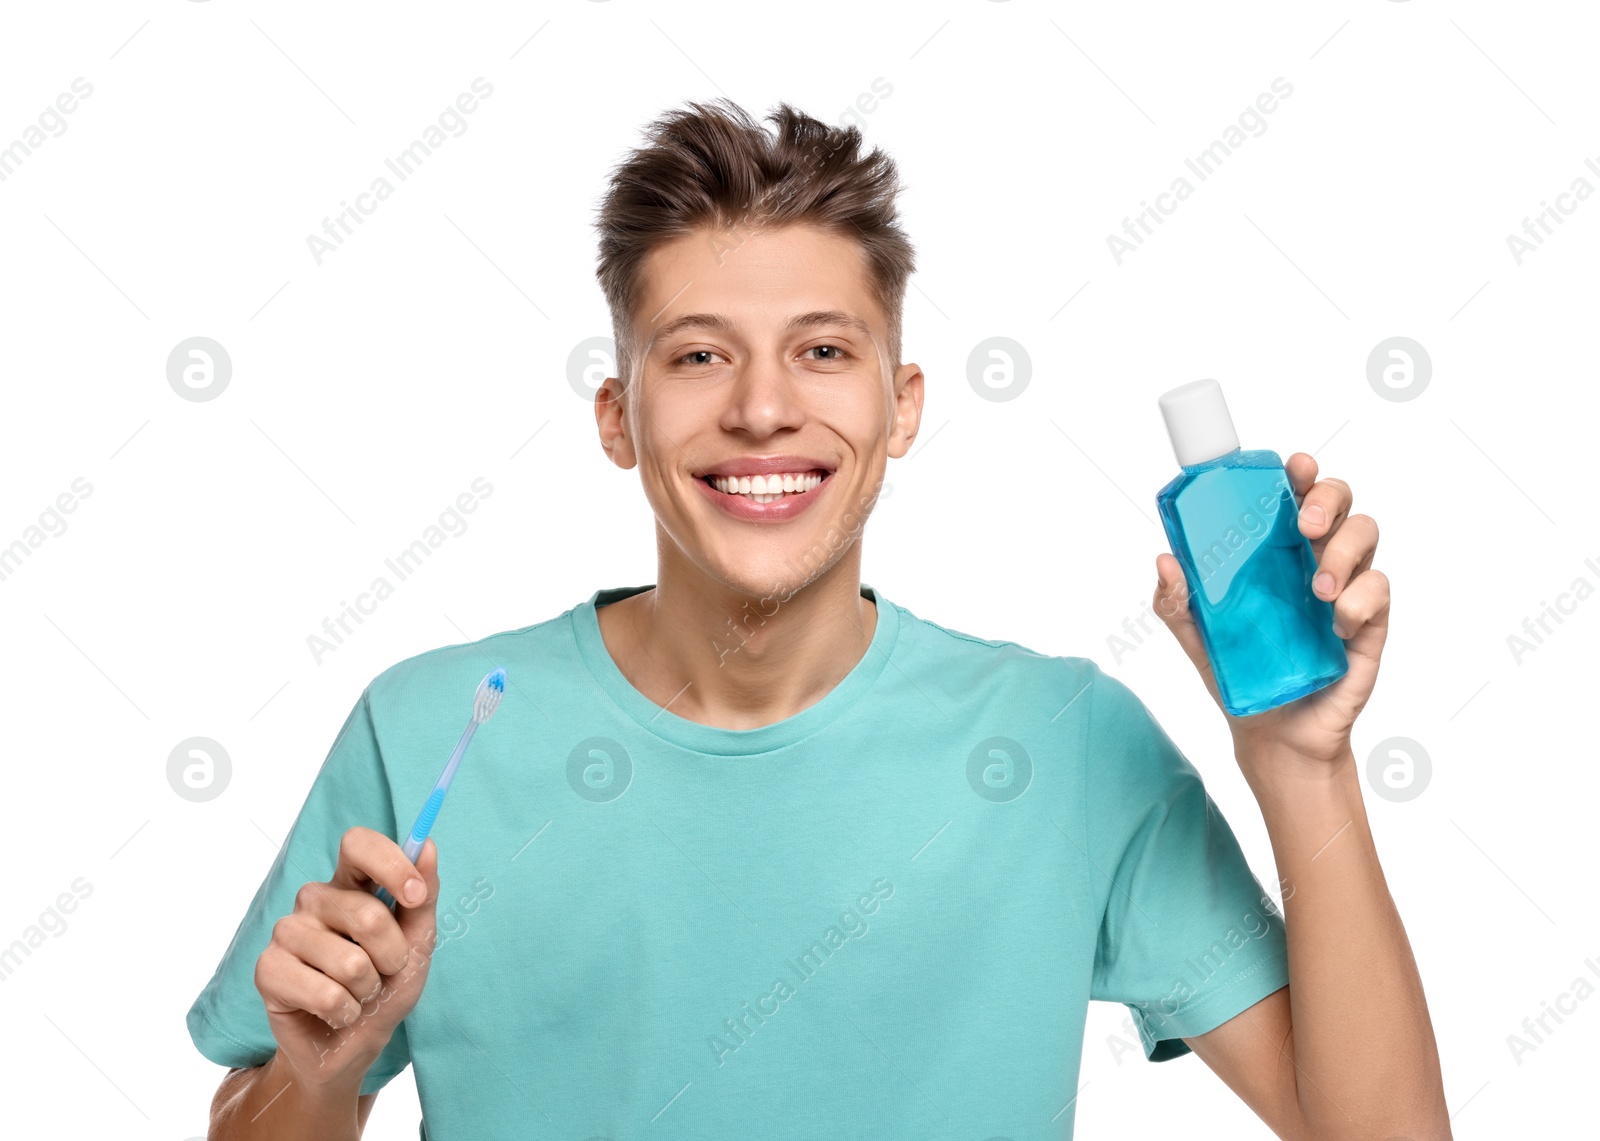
[{"x": 884, "y": 916}]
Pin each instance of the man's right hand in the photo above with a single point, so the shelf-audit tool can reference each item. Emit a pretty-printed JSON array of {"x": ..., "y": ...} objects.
[{"x": 342, "y": 970}]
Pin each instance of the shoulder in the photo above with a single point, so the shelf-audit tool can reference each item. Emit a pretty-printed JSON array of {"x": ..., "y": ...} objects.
[
  {"x": 546, "y": 648},
  {"x": 966, "y": 664},
  {"x": 1121, "y": 735}
]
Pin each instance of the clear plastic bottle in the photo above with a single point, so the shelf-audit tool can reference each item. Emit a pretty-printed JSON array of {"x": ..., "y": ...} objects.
[{"x": 1233, "y": 524}]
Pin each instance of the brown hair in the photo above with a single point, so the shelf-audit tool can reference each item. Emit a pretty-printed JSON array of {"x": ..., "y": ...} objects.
[{"x": 714, "y": 166}]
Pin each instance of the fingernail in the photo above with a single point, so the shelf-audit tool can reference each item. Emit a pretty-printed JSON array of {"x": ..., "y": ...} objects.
[
  {"x": 1314, "y": 515},
  {"x": 415, "y": 890},
  {"x": 1323, "y": 583},
  {"x": 1338, "y": 631}
]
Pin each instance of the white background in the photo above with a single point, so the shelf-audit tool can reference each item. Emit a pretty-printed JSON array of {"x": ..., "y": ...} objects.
[{"x": 369, "y": 391}]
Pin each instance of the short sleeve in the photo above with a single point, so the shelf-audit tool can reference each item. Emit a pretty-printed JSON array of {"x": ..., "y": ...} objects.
[
  {"x": 228, "y": 1021},
  {"x": 1188, "y": 938}
]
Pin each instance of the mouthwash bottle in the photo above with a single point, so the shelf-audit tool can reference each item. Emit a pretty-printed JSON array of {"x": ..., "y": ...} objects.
[{"x": 1232, "y": 522}]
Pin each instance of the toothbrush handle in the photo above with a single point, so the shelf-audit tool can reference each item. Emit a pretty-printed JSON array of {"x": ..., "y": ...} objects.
[
  {"x": 430, "y": 811},
  {"x": 418, "y": 837}
]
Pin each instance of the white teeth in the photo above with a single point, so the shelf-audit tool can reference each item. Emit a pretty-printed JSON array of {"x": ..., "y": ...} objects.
[{"x": 766, "y": 489}]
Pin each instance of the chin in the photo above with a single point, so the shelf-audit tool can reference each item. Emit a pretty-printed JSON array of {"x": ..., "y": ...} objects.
[{"x": 775, "y": 574}]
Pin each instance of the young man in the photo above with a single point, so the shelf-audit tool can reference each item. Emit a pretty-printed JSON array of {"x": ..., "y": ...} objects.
[{"x": 752, "y": 851}]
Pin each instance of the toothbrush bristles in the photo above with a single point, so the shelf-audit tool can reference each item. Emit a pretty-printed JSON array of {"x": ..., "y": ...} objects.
[{"x": 490, "y": 690}]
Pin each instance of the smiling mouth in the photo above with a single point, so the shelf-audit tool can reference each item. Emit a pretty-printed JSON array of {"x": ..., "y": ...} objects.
[{"x": 770, "y": 488}]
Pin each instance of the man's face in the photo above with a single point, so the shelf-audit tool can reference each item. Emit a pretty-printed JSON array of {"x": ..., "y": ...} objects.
[{"x": 768, "y": 379}]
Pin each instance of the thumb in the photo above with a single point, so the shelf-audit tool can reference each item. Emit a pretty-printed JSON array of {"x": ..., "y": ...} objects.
[
  {"x": 418, "y": 923},
  {"x": 1171, "y": 604}
]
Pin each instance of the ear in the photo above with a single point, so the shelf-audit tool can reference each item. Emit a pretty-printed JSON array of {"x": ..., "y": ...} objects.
[
  {"x": 907, "y": 408},
  {"x": 610, "y": 415}
]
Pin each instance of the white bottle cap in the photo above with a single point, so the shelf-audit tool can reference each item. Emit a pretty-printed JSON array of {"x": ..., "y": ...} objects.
[{"x": 1198, "y": 422}]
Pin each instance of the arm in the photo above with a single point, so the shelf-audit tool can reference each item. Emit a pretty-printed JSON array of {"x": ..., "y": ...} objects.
[
  {"x": 261, "y": 1103},
  {"x": 1347, "y": 1049}
]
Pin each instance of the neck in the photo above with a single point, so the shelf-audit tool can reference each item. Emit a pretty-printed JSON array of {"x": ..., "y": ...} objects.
[{"x": 717, "y": 655}]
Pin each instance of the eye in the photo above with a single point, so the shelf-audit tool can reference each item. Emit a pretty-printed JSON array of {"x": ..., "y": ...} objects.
[
  {"x": 838, "y": 353},
  {"x": 684, "y": 359}
]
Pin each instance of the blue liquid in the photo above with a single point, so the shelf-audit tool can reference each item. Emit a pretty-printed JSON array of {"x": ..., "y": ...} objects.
[{"x": 1233, "y": 525}]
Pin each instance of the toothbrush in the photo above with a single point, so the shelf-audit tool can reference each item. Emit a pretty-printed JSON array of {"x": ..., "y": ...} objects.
[{"x": 490, "y": 690}]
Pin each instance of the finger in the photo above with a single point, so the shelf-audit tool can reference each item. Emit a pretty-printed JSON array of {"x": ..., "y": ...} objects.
[
  {"x": 1347, "y": 552},
  {"x": 1302, "y": 471},
  {"x": 418, "y": 924},
  {"x": 1171, "y": 604},
  {"x": 1364, "y": 602},
  {"x": 287, "y": 985},
  {"x": 1324, "y": 506},
  {"x": 343, "y": 961},
  {"x": 358, "y": 915},
  {"x": 367, "y": 857}
]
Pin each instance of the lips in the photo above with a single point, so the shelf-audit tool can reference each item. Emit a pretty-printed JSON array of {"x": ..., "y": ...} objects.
[{"x": 766, "y": 465}]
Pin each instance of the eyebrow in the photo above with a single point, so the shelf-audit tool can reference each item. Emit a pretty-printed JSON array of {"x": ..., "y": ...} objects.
[{"x": 719, "y": 323}]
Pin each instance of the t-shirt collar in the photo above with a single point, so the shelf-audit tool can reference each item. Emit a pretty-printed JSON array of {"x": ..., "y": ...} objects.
[{"x": 710, "y": 739}]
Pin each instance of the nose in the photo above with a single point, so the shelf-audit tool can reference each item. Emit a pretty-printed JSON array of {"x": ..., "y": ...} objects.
[{"x": 763, "y": 398}]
